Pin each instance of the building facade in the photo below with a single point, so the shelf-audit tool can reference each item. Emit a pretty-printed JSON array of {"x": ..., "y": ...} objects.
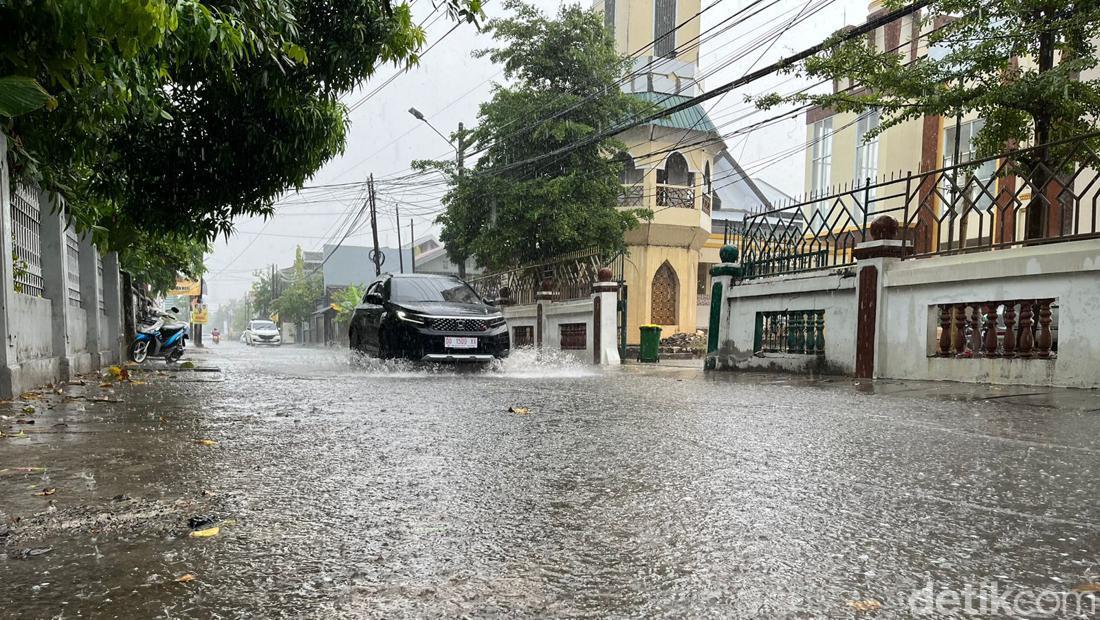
[{"x": 675, "y": 166}]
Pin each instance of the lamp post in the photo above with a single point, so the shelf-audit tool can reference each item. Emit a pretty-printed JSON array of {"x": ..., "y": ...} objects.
[{"x": 459, "y": 148}]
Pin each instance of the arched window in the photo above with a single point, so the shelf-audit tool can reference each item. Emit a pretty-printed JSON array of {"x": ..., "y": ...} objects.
[
  {"x": 665, "y": 296},
  {"x": 630, "y": 174},
  {"x": 676, "y": 171},
  {"x": 706, "y": 178},
  {"x": 664, "y": 28}
]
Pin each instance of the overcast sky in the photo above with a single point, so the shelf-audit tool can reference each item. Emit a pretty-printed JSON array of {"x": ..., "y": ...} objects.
[{"x": 447, "y": 87}]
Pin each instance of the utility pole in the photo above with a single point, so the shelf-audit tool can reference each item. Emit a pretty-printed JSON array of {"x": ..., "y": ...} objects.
[
  {"x": 400, "y": 251},
  {"x": 374, "y": 227},
  {"x": 412, "y": 246},
  {"x": 460, "y": 161}
]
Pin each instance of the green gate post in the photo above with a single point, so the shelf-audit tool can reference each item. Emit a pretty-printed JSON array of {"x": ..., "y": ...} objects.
[{"x": 724, "y": 275}]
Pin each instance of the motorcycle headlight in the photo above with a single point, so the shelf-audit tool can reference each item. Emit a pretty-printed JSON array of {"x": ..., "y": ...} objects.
[{"x": 409, "y": 317}]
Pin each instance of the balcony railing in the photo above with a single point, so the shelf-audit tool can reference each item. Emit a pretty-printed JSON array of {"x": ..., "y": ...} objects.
[
  {"x": 632, "y": 196},
  {"x": 676, "y": 196}
]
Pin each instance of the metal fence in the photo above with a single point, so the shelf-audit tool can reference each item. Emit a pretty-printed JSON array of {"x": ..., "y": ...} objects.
[
  {"x": 1036, "y": 195},
  {"x": 790, "y": 331},
  {"x": 27, "y": 240},
  {"x": 569, "y": 277},
  {"x": 99, "y": 283},
  {"x": 72, "y": 267}
]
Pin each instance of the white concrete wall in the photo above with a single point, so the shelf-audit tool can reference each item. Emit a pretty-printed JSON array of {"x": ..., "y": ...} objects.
[
  {"x": 555, "y": 314},
  {"x": 913, "y": 289},
  {"x": 831, "y": 291},
  {"x": 1067, "y": 272},
  {"x": 521, "y": 316},
  {"x": 33, "y": 339}
]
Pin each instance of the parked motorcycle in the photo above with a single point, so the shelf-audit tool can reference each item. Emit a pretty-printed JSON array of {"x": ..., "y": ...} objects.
[{"x": 161, "y": 336}]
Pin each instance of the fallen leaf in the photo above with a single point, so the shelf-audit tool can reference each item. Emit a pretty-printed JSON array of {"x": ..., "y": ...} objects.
[
  {"x": 106, "y": 384},
  {"x": 28, "y": 409},
  {"x": 30, "y": 396},
  {"x": 187, "y": 365},
  {"x": 46, "y": 491},
  {"x": 518, "y": 410},
  {"x": 185, "y": 578},
  {"x": 206, "y": 442},
  {"x": 207, "y": 533},
  {"x": 116, "y": 371},
  {"x": 865, "y": 605},
  {"x": 1087, "y": 587},
  {"x": 137, "y": 382},
  {"x": 24, "y": 421}
]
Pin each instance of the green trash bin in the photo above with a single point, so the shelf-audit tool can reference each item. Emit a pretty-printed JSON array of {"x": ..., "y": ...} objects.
[{"x": 650, "y": 349}]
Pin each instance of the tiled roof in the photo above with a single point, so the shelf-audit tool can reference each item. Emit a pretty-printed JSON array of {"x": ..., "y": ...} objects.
[{"x": 691, "y": 118}]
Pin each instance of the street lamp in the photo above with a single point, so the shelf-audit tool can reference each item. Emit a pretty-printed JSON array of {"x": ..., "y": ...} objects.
[{"x": 459, "y": 148}]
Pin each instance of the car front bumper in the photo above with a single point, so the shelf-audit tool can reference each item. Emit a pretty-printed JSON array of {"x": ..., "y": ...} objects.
[{"x": 425, "y": 344}]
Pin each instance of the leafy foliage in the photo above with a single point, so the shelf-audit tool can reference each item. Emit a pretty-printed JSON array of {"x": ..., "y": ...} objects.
[
  {"x": 503, "y": 216},
  {"x": 346, "y": 299},
  {"x": 296, "y": 302},
  {"x": 993, "y": 65},
  {"x": 175, "y": 116}
]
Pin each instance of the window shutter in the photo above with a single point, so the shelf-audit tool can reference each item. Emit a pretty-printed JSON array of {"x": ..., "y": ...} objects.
[{"x": 664, "y": 23}]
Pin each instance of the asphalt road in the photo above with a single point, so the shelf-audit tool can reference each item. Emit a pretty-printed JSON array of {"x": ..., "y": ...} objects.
[{"x": 390, "y": 491}]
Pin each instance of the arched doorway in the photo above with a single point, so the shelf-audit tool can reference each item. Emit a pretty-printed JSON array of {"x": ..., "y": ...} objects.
[{"x": 665, "y": 296}]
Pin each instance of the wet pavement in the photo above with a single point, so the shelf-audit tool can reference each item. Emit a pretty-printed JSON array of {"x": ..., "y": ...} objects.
[{"x": 390, "y": 491}]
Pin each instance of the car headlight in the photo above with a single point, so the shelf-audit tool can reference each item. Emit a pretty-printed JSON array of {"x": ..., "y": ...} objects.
[
  {"x": 408, "y": 317},
  {"x": 496, "y": 321}
]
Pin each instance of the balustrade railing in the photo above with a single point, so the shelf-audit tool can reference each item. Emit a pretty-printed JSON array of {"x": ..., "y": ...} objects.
[
  {"x": 790, "y": 331},
  {"x": 675, "y": 196},
  {"x": 1017, "y": 328},
  {"x": 632, "y": 196}
]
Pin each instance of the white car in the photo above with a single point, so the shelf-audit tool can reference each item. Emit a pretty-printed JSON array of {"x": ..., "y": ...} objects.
[{"x": 261, "y": 332}]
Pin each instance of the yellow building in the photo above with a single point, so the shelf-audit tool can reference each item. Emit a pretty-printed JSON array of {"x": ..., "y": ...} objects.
[{"x": 669, "y": 165}]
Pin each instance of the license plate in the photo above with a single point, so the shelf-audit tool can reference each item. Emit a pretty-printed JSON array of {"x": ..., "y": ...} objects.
[{"x": 459, "y": 343}]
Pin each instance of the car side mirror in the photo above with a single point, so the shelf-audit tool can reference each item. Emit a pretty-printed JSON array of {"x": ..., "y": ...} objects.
[
  {"x": 492, "y": 302},
  {"x": 374, "y": 298}
]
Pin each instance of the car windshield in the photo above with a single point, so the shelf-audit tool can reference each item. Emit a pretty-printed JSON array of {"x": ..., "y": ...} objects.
[
  {"x": 432, "y": 289},
  {"x": 263, "y": 325}
]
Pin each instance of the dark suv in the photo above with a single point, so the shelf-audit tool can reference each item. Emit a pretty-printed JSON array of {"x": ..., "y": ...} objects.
[{"x": 429, "y": 318}]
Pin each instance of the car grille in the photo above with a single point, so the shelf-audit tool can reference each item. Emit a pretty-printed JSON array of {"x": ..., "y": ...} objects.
[
  {"x": 261, "y": 337},
  {"x": 459, "y": 325}
]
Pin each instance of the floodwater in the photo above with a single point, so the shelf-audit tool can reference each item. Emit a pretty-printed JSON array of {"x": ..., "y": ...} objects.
[{"x": 387, "y": 490}]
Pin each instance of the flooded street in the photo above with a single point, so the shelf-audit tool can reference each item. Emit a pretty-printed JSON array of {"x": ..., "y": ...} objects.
[{"x": 387, "y": 491}]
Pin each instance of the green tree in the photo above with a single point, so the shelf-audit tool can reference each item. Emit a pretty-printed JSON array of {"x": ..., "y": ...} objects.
[
  {"x": 260, "y": 296},
  {"x": 172, "y": 117},
  {"x": 1016, "y": 64},
  {"x": 346, "y": 299},
  {"x": 297, "y": 301},
  {"x": 566, "y": 67}
]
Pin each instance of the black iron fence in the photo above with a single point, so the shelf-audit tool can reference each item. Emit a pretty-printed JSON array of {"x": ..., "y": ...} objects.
[{"x": 1025, "y": 196}]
